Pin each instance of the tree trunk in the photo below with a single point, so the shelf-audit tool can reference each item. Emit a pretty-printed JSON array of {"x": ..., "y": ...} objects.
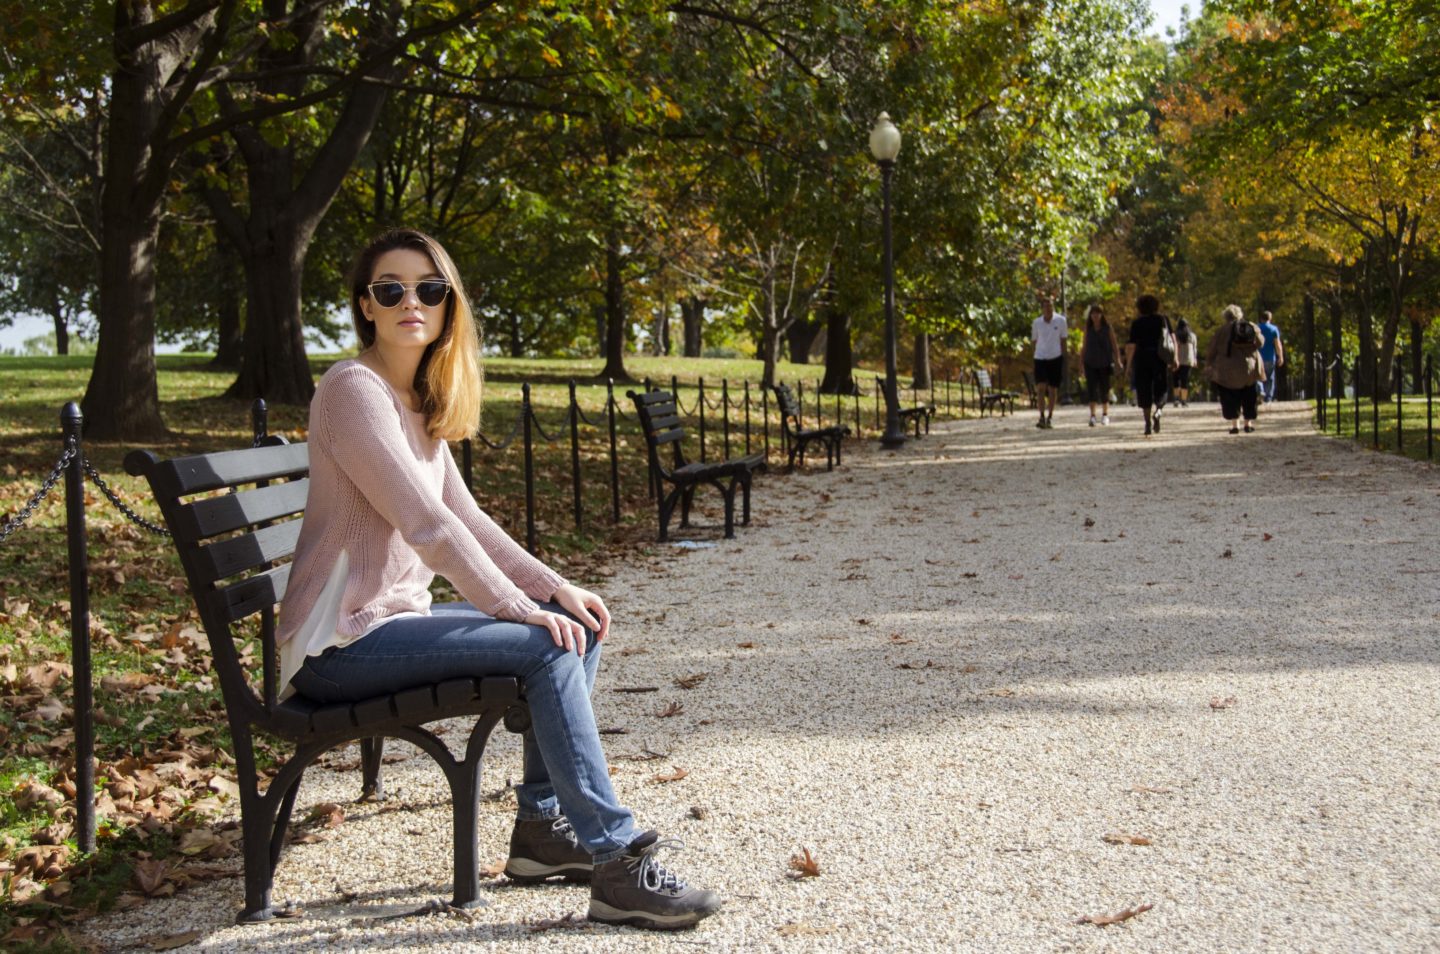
[
  {"x": 839, "y": 357},
  {"x": 274, "y": 366},
  {"x": 517, "y": 339},
  {"x": 614, "y": 309},
  {"x": 800, "y": 338},
  {"x": 122, "y": 401},
  {"x": 692, "y": 315},
  {"x": 62, "y": 330},
  {"x": 921, "y": 371},
  {"x": 660, "y": 331},
  {"x": 230, "y": 341}
]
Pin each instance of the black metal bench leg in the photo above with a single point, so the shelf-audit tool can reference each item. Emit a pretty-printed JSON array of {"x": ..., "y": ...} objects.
[
  {"x": 687, "y": 497},
  {"x": 372, "y": 786},
  {"x": 667, "y": 507},
  {"x": 745, "y": 498},
  {"x": 728, "y": 492}
]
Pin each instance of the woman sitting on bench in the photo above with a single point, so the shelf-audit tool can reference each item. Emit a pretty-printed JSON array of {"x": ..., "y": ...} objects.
[{"x": 387, "y": 510}]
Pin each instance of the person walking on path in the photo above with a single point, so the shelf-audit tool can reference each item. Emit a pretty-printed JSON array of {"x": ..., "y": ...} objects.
[
  {"x": 1187, "y": 354},
  {"x": 388, "y": 510},
  {"x": 1233, "y": 362},
  {"x": 1272, "y": 353},
  {"x": 1100, "y": 354},
  {"x": 1052, "y": 347},
  {"x": 1142, "y": 354}
]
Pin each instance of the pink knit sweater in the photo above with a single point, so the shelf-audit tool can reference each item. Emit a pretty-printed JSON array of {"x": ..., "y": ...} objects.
[{"x": 391, "y": 497}]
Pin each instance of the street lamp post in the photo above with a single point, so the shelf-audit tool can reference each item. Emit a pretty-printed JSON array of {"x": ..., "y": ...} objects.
[{"x": 885, "y": 146}]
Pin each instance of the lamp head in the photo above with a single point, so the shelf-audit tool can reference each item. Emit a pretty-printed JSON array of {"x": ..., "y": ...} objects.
[{"x": 884, "y": 139}]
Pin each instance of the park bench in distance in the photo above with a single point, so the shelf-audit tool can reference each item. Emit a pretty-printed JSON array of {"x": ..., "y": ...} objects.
[
  {"x": 990, "y": 397},
  {"x": 1029, "y": 378},
  {"x": 239, "y": 522},
  {"x": 660, "y": 422},
  {"x": 798, "y": 437},
  {"x": 915, "y": 414}
]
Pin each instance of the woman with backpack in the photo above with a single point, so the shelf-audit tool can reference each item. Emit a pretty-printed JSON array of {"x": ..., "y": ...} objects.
[{"x": 1233, "y": 362}]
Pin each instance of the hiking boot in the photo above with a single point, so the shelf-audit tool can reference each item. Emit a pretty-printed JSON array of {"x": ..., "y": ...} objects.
[
  {"x": 543, "y": 848},
  {"x": 636, "y": 889}
]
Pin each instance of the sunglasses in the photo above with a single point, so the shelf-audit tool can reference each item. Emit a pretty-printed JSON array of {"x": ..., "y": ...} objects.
[{"x": 431, "y": 292}]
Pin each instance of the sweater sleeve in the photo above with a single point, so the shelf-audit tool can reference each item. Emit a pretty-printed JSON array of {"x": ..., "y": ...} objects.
[
  {"x": 537, "y": 580},
  {"x": 364, "y": 435}
]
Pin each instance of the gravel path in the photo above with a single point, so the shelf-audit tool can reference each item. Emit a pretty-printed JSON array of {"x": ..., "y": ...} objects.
[{"x": 958, "y": 675}]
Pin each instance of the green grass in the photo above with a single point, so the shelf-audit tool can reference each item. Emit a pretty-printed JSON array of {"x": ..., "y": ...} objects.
[
  {"x": 139, "y": 601},
  {"x": 1402, "y": 430}
]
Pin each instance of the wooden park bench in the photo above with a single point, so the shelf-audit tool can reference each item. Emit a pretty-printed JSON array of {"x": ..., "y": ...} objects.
[
  {"x": 798, "y": 437},
  {"x": 915, "y": 414},
  {"x": 989, "y": 397},
  {"x": 660, "y": 422},
  {"x": 235, "y": 517}
]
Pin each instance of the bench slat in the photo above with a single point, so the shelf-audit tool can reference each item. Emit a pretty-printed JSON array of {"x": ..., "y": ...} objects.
[
  {"x": 248, "y": 551},
  {"x": 216, "y": 515},
  {"x": 184, "y": 476},
  {"x": 251, "y": 595}
]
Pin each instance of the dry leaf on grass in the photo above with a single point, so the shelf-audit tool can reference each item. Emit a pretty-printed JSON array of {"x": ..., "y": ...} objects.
[
  {"x": 805, "y": 865},
  {"x": 674, "y": 776},
  {"x": 1104, "y": 920},
  {"x": 1119, "y": 838}
]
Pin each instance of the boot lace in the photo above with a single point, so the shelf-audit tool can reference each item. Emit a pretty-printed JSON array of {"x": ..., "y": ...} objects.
[
  {"x": 651, "y": 875},
  {"x": 561, "y": 828}
]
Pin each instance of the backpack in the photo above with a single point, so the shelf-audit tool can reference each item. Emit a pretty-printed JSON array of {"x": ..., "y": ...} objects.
[
  {"x": 1245, "y": 337},
  {"x": 1166, "y": 348}
]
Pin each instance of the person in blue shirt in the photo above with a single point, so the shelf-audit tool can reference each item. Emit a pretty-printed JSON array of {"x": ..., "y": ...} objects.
[{"x": 1272, "y": 352}]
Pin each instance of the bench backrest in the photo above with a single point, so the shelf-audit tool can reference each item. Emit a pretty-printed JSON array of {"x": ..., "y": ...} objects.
[
  {"x": 235, "y": 517},
  {"x": 982, "y": 380},
  {"x": 788, "y": 406},
  {"x": 661, "y": 424}
]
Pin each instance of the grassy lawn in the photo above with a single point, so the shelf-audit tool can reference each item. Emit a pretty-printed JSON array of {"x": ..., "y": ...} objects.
[
  {"x": 1402, "y": 430},
  {"x": 163, "y": 773}
]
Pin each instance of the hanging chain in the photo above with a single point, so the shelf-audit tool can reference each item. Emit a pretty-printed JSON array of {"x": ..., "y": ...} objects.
[
  {"x": 26, "y": 512},
  {"x": 131, "y": 515}
]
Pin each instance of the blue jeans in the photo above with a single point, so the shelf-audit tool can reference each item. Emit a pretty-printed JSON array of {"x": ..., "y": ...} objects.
[
  {"x": 1267, "y": 387},
  {"x": 564, "y": 768}
]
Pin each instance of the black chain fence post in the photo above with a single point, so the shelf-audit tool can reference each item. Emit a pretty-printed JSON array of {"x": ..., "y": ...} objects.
[
  {"x": 529, "y": 467},
  {"x": 614, "y": 457},
  {"x": 765, "y": 417},
  {"x": 725, "y": 413},
  {"x": 747, "y": 417},
  {"x": 1399, "y": 406},
  {"x": 71, "y": 420},
  {"x": 1429, "y": 409},
  {"x": 700, "y": 405},
  {"x": 259, "y": 422},
  {"x": 575, "y": 453},
  {"x": 1375, "y": 400},
  {"x": 1355, "y": 388}
]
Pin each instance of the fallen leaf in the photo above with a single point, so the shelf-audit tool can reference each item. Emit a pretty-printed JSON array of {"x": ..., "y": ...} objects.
[
  {"x": 746, "y": 645},
  {"x": 674, "y": 776},
  {"x": 1268, "y": 537},
  {"x": 1218, "y": 703},
  {"x": 494, "y": 869},
  {"x": 570, "y": 920},
  {"x": 1227, "y": 554},
  {"x": 1103, "y": 920},
  {"x": 1117, "y": 838},
  {"x": 698, "y": 813},
  {"x": 805, "y": 865},
  {"x": 673, "y": 709},
  {"x": 690, "y": 681},
  {"x": 152, "y": 876},
  {"x": 801, "y": 929},
  {"x": 329, "y": 814},
  {"x": 172, "y": 941}
]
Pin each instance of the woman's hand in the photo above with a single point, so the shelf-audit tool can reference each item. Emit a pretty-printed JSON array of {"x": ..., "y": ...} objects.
[
  {"x": 568, "y": 634},
  {"x": 586, "y": 607}
]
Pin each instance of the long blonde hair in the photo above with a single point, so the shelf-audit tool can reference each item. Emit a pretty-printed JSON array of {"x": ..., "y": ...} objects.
[{"x": 449, "y": 380}]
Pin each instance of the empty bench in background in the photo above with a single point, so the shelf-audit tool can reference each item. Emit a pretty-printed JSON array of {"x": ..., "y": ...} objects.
[
  {"x": 798, "y": 437},
  {"x": 990, "y": 397},
  {"x": 661, "y": 424},
  {"x": 235, "y": 517}
]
